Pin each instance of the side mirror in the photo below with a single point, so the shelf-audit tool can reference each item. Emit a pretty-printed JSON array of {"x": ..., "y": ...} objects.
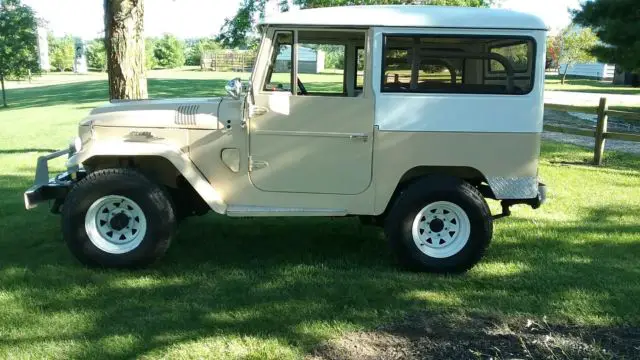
[{"x": 234, "y": 88}]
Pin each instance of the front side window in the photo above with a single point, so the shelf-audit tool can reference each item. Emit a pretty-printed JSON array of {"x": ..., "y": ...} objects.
[
  {"x": 321, "y": 67},
  {"x": 280, "y": 71},
  {"x": 443, "y": 64}
]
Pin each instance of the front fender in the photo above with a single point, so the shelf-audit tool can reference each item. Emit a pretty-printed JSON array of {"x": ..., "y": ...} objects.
[{"x": 178, "y": 158}]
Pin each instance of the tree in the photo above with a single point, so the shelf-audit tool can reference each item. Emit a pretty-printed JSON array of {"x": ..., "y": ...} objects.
[
  {"x": 18, "y": 42},
  {"x": 575, "y": 47},
  {"x": 308, "y": 4},
  {"x": 97, "y": 55},
  {"x": 61, "y": 52},
  {"x": 124, "y": 29},
  {"x": 149, "y": 58},
  {"x": 553, "y": 51},
  {"x": 235, "y": 30},
  {"x": 196, "y": 48},
  {"x": 169, "y": 52},
  {"x": 617, "y": 24}
]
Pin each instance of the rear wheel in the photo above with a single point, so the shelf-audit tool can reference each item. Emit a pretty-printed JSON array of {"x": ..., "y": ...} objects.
[
  {"x": 118, "y": 218},
  {"x": 439, "y": 224}
]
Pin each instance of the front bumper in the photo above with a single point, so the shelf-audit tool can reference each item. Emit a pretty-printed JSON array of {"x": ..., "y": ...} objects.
[{"x": 56, "y": 188}]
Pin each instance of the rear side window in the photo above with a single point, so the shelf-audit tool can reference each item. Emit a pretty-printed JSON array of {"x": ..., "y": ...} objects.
[
  {"x": 517, "y": 53},
  {"x": 443, "y": 64}
]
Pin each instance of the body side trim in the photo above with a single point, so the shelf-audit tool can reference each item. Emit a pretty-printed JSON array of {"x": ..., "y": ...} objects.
[{"x": 249, "y": 210}]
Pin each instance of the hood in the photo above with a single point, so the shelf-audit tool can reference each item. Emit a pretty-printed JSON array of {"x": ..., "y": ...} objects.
[{"x": 167, "y": 113}]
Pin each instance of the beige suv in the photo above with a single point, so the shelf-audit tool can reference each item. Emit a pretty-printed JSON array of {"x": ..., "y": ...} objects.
[{"x": 433, "y": 110}]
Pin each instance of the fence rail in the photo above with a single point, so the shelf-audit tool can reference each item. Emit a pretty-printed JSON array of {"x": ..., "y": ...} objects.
[
  {"x": 228, "y": 61},
  {"x": 601, "y": 133}
]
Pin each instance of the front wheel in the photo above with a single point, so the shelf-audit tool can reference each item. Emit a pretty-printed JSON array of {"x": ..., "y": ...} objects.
[
  {"x": 118, "y": 218},
  {"x": 439, "y": 224}
]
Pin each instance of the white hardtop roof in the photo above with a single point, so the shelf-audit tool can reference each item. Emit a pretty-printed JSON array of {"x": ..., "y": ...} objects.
[{"x": 408, "y": 16}]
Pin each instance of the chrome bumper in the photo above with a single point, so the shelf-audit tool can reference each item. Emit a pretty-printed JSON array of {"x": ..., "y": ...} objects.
[{"x": 45, "y": 188}]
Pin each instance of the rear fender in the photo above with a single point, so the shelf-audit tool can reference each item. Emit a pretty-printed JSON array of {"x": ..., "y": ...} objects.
[{"x": 178, "y": 158}]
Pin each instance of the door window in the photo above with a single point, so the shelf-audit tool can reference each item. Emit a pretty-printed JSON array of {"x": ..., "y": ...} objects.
[{"x": 321, "y": 68}]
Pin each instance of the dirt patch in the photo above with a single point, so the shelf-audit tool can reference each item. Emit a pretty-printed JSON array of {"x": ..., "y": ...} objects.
[{"x": 428, "y": 336}]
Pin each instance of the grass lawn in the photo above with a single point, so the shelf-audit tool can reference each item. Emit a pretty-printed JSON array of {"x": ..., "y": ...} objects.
[
  {"x": 276, "y": 288},
  {"x": 552, "y": 82}
]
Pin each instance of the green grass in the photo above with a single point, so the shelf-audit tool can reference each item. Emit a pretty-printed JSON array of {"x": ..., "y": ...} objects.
[
  {"x": 552, "y": 82},
  {"x": 275, "y": 288}
]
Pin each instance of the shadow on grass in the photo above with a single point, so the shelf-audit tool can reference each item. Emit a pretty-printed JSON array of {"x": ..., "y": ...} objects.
[
  {"x": 292, "y": 279},
  {"x": 557, "y": 153},
  {"x": 596, "y": 86},
  {"x": 95, "y": 91}
]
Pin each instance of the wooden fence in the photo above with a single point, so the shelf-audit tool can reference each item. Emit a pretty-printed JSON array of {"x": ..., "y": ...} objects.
[
  {"x": 228, "y": 61},
  {"x": 601, "y": 132}
]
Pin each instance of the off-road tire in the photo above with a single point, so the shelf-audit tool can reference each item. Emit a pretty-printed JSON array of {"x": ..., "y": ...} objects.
[
  {"x": 150, "y": 197},
  {"x": 425, "y": 191}
]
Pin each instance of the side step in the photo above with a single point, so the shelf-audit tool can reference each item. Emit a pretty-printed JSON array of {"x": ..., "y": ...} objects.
[{"x": 533, "y": 202}]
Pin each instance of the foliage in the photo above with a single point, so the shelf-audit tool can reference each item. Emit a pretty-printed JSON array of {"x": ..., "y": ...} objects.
[
  {"x": 169, "y": 52},
  {"x": 149, "y": 48},
  {"x": 617, "y": 24},
  {"x": 575, "y": 47},
  {"x": 97, "y": 55},
  {"x": 308, "y": 4},
  {"x": 334, "y": 56},
  {"x": 18, "y": 41},
  {"x": 236, "y": 31},
  {"x": 61, "y": 52},
  {"x": 553, "y": 51},
  {"x": 197, "y": 47}
]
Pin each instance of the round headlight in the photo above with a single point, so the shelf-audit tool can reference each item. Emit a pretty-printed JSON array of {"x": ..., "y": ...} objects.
[{"x": 77, "y": 143}]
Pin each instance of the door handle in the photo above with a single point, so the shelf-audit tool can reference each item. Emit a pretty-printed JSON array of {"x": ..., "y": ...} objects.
[
  {"x": 359, "y": 137},
  {"x": 257, "y": 111}
]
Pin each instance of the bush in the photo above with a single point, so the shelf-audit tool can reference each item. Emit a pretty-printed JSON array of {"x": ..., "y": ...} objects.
[
  {"x": 199, "y": 47},
  {"x": 149, "y": 49},
  {"x": 169, "y": 52},
  {"x": 61, "y": 52},
  {"x": 97, "y": 55}
]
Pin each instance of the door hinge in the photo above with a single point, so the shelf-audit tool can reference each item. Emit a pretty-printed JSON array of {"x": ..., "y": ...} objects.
[{"x": 256, "y": 164}]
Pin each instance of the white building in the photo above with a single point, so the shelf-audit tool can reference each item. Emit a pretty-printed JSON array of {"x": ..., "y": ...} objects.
[
  {"x": 43, "y": 49},
  {"x": 310, "y": 61},
  {"x": 592, "y": 70},
  {"x": 80, "y": 59}
]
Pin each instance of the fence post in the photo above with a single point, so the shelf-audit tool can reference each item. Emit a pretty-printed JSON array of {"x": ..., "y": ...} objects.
[{"x": 601, "y": 130}]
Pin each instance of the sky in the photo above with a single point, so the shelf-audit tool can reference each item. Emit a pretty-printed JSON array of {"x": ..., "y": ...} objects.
[{"x": 199, "y": 18}]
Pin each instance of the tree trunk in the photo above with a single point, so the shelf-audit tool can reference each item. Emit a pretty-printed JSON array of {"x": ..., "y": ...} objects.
[
  {"x": 564, "y": 76},
  {"x": 4, "y": 95},
  {"x": 124, "y": 41}
]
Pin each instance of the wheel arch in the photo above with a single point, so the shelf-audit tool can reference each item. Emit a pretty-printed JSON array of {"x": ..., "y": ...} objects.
[
  {"x": 162, "y": 163},
  {"x": 460, "y": 173}
]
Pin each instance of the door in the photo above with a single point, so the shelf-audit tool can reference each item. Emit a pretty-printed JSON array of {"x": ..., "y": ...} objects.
[{"x": 310, "y": 135}]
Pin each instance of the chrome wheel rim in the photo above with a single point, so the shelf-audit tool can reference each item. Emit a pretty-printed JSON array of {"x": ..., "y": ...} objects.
[
  {"x": 441, "y": 229},
  {"x": 115, "y": 224}
]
